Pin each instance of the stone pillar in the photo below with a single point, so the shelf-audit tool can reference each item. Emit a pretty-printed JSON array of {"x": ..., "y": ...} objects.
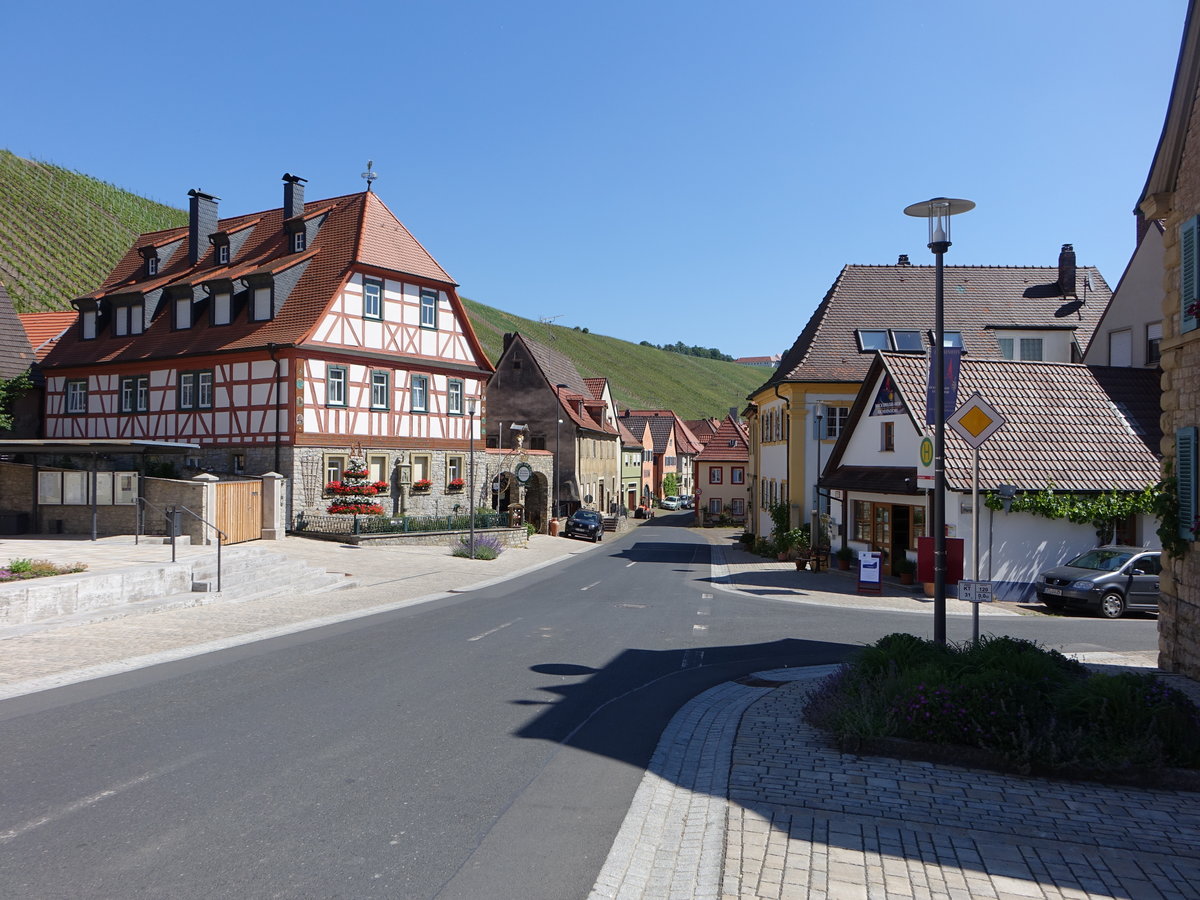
[
  {"x": 274, "y": 518},
  {"x": 207, "y": 510}
]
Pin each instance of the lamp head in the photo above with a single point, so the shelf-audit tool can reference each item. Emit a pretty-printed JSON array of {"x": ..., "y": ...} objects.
[{"x": 937, "y": 211}]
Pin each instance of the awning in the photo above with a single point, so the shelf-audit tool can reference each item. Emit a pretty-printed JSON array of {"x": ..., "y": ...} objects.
[{"x": 872, "y": 479}]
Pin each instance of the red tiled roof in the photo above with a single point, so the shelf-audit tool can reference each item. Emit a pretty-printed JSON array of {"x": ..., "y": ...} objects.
[
  {"x": 977, "y": 298},
  {"x": 358, "y": 229},
  {"x": 44, "y": 328},
  {"x": 730, "y": 443}
]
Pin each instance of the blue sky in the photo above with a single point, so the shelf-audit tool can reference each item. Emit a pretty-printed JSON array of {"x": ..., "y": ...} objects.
[{"x": 662, "y": 171}]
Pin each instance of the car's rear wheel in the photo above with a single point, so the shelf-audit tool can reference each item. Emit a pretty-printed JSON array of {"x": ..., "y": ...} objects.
[
  {"x": 1112, "y": 605},
  {"x": 1053, "y": 602}
]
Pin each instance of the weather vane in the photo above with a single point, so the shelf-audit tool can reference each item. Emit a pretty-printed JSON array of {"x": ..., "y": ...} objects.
[{"x": 370, "y": 175}]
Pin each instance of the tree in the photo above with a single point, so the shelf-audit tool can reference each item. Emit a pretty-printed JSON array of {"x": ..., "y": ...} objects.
[
  {"x": 670, "y": 484},
  {"x": 11, "y": 390}
]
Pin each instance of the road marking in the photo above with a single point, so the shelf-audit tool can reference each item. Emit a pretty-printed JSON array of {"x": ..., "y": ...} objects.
[
  {"x": 79, "y": 805},
  {"x": 634, "y": 563},
  {"x": 480, "y": 637},
  {"x": 590, "y": 586},
  {"x": 706, "y": 596},
  {"x": 699, "y": 628}
]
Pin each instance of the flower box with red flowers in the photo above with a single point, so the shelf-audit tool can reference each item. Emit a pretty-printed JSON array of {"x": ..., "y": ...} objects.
[
  {"x": 359, "y": 509},
  {"x": 455, "y": 485},
  {"x": 422, "y": 484},
  {"x": 342, "y": 489}
]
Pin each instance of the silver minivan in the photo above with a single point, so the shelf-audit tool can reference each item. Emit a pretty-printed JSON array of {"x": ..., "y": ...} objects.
[{"x": 1112, "y": 580}]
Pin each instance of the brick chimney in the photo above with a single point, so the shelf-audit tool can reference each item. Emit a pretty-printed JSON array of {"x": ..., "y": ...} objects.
[
  {"x": 293, "y": 195},
  {"x": 1066, "y": 271},
  {"x": 202, "y": 221}
]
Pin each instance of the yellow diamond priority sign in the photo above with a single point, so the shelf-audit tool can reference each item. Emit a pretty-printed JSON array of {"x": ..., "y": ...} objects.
[{"x": 976, "y": 421}]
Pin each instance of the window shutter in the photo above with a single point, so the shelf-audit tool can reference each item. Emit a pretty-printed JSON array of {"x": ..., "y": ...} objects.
[
  {"x": 1189, "y": 278},
  {"x": 1185, "y": 478}
]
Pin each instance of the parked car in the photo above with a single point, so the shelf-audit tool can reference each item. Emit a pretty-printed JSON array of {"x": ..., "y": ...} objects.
[
  {"x": 1111, "y": 580},
  {"x": 585, "y": 523},
  {"x": 671, "y": 502},
  {"x": 687, "y": 501}
]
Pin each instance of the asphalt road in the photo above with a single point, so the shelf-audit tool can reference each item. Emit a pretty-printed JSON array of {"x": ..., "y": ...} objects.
[{"x": 481, "y": 746}]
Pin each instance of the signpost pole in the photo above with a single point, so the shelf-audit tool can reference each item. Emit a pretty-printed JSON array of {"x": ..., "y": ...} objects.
[{"x": 975, "y": 540}]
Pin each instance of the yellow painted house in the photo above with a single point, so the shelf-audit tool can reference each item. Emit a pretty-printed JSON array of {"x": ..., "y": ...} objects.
[{"x": 991, "y": 312}]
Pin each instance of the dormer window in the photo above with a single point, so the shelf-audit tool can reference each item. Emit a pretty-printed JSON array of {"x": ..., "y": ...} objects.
[
  {"x": 129, "y": 318},
  {"x": 223, "y": 255},
  {"x": 299, "y": 241},
  {"x": 183, "y": 313},
  {"x": 297, "y": 233},
  {"x": 151, "y": 266},
  {"x": 87, "y": 322},
  {"x": 220, "y": 242}
]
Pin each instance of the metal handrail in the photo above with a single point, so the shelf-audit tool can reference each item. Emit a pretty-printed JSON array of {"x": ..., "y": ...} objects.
[
  {"x": 140, "y": 503},
  {"x": 172, "y": 532},
  {"x": 220, "y": 537}
]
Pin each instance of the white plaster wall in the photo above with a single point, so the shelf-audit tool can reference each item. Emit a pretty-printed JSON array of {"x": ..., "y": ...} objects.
[{"x": 1136, "y": 303}]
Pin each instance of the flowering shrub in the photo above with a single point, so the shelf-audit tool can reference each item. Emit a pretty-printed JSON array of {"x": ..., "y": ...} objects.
[
  {"x": 487, "y": 546},
  {"x": 358, "y": 508}
]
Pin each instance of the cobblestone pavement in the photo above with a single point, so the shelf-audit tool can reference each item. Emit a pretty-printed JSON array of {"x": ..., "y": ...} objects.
[{"x": 803, "y": 820}]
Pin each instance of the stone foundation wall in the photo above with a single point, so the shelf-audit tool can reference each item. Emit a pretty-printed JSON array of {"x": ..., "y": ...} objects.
[{"x": 509, "y": 537}]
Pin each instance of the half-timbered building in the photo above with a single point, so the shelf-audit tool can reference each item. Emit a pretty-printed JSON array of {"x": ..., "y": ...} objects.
[{"x": 288, "y": 340}]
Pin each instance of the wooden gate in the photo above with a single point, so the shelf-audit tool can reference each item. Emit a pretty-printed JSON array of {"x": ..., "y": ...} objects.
[{"x": 239, "y": 510}]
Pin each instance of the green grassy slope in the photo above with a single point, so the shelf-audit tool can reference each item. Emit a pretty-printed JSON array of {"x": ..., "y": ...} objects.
[
  {"x": 640, "y": 377},
  {"x": 61, "y": 232}
]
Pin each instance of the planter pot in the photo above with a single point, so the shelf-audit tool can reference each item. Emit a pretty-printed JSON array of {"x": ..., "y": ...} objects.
[
  {"x": 906, "y": 577},
  {"x": 928, "y": 588},
  {"x": 843, "y": 564}
]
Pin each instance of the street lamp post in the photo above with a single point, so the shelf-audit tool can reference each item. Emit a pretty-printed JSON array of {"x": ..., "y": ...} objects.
[
  {"x": 938, "y": 212},
  {"x": 471, "y": 470},
  {"x": 816, "y": 522}
]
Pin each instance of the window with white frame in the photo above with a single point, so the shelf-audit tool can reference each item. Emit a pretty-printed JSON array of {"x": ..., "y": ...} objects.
[
  {"x": 88, "y": 324},
  {"x": 335, "y": 386},
  {"x": 381, "y": 384},
  {"x": 186, "y": 391},
  {"x": 420, "y": 393},
  {"x": 454, "y": 469},
  {"x": 429, "y": 304},
  {"x": 738, "y": 505},
  {"x": 204, "y": 390},
  {"x": 135, "y": 393},
  {"x": 737, "y": 475},
  {"x": 714, "y": 506},
  {"x": 715, "y": 474},
  {"x": 1031, "y": 348},
  {"x": 299, "y": 241},
  {"x": 454, "y": 397},
  {"x": 335, "y": 466},
  {"x": 835, "y": 421},
  {"x": 222, "y": 254},
  {"x": 76, "y": 395},
  {"x": 372, "y": 299},
  {"x": 152, "y": 265},
  {"x": 129, "y": 319}
]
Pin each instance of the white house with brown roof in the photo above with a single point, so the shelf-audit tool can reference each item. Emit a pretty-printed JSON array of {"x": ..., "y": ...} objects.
[
  {"x": 1068, "y": 428},
  {"x": 1130, "y": 331},
  {"x": 991, "y": 312},
  {"x": 288, "y": 340}
]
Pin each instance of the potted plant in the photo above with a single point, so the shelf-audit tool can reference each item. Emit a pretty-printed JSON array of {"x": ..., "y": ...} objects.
[
  {"x": 844, "y": 557},
  {"x": 421, "y": 485},
  {"x": 906, "y": 569},
  {"x": 455, "y": 485}
]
